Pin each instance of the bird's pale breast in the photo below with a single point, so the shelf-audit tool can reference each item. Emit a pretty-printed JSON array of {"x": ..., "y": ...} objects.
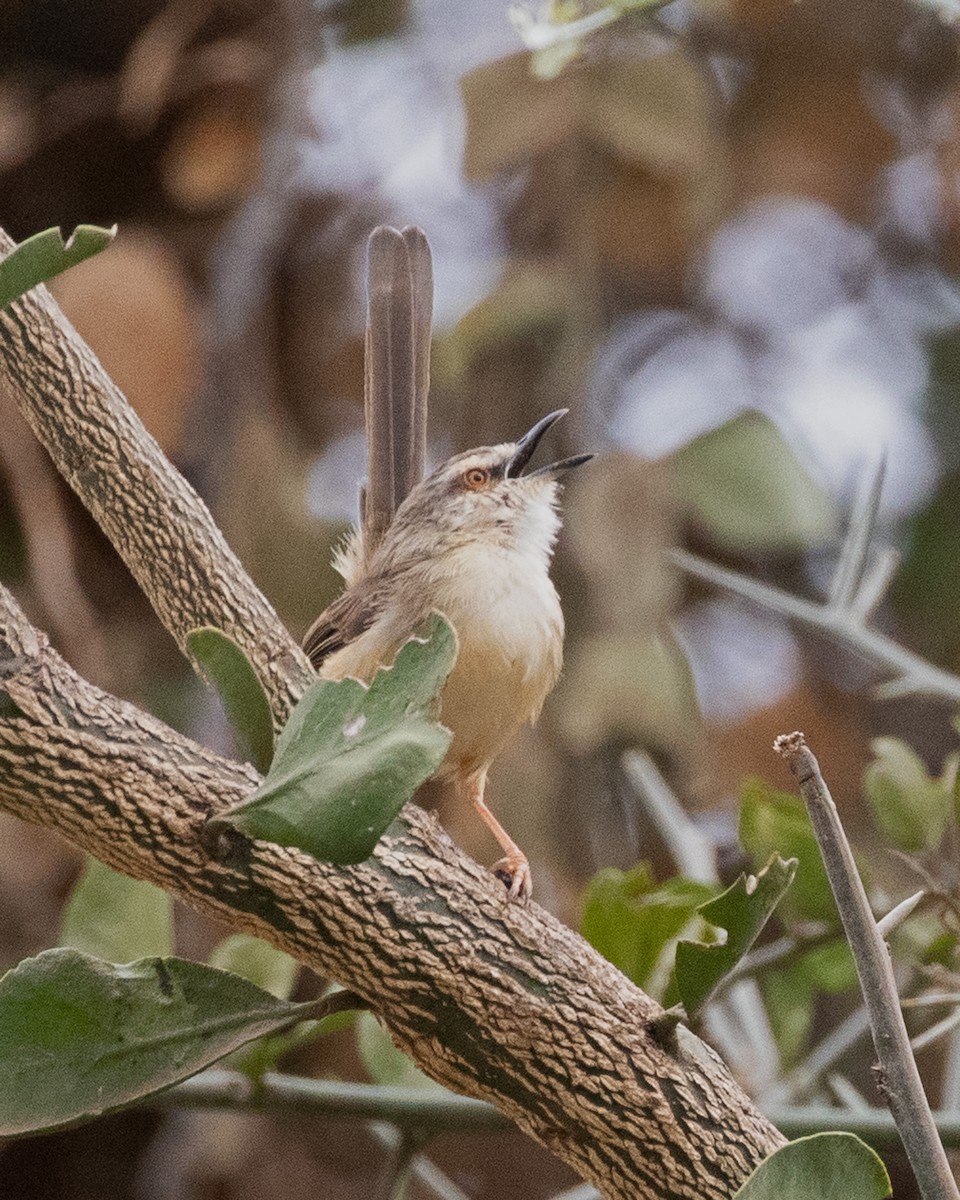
[{"x": 505, "y": 610}]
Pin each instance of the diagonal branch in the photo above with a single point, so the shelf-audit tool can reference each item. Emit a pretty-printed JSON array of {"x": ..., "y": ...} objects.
[{"x": 498, "y": 1001}]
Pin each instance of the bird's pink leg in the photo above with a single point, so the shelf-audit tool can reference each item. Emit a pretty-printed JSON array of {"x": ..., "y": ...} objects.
[{"x": 513, "y": 868}]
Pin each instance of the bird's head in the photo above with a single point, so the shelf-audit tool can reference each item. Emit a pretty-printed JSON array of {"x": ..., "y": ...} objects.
[{"x": 484, "y": 493}]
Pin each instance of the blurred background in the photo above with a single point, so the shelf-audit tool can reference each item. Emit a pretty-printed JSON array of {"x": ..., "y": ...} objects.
[{"x": 725, "y": 233}]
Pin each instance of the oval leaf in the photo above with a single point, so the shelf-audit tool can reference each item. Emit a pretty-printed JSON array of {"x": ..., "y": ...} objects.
[
  {"x": 257, "y": 961},
  {"x": 351, "y": 756},
  {"x": 46, "y": 254},
  {"x": 80, "y": 1037},
  {"x": 742, "y": 910},
  {"x": 827, "y": 1166},
  {"x": 244, "y": 699},
  {"x": 910, "y": 807},
  {"x": 117, "y": 918}
]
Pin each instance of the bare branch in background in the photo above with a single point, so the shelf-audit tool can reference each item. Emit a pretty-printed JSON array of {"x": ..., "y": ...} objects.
[{"x": 900, "y": 1080}]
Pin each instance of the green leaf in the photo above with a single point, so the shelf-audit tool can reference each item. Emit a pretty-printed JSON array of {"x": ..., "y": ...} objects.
[
  {"x": 351, "y": 756},
  {"x": 634, "y": 923},
  {"x": 791, "y": 992},
  {"x": 46, "y": 254},
  {"x": 80, "y": 1037},
  {"x": 910, "y": 808},
  {"x": 386, "y": 1063},
  {"x": 826, "y": 1166},
  {"x": 773, "y": 822},
  {"x": 117, "y": 918},
  {"x": 742, "y": 910},
  {"x": 749, "y": 489},
  {"x": 244, "y": 699},
  {"x": 256, "y": 961}
]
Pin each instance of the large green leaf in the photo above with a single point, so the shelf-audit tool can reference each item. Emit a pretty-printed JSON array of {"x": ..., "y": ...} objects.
[
  {"x": 750, "y": 490},
  {"x": 79, "y": 1036},
  {"x": 116, "y": 917},
  {"x": 742, "y": 910},
  {"x": 911, "y": 808},
  {"x": 826, "y": 1166},
  {"x": 351, "y": 756},
  {"x": 46, "y": 254},
  {"x": 244, "y": 699},
  {"x": 634, "y": 923}
]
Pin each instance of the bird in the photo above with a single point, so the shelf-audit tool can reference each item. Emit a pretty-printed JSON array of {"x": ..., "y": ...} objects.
[{"x": 473, "y": 541}]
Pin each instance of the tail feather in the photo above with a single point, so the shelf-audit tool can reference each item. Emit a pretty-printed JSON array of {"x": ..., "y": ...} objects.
[{"x": 397, "y": 371}]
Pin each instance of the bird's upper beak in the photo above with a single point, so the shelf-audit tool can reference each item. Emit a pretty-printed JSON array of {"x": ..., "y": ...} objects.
[{"x": 528, "y": 444}]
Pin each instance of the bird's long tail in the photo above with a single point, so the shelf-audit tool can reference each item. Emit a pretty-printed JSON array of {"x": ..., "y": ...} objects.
[{"x": 396, "y": 374}]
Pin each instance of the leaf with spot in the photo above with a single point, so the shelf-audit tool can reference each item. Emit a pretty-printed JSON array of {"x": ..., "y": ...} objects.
[
  {"x": 742, "y": 911},
  {"x": 80, "y": 1037},
  {"x": 45, "y": 255},
  {"x": 352, "y": 755}
]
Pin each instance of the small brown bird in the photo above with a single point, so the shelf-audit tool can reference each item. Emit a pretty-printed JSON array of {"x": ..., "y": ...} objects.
[{"x": 473, "y": 541}]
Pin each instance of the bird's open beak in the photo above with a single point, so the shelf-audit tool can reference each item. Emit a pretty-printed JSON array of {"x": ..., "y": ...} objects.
[{"x": 528, "y": 444}]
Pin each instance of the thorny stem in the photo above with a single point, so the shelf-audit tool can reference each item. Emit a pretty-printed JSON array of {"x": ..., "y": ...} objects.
[{"x": 899, "y": 1078}]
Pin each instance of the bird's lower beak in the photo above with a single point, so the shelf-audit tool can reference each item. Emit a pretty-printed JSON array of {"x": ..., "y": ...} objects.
[
  {"x": 528, "y": 444},
  {"x": 557, "y": 468}
]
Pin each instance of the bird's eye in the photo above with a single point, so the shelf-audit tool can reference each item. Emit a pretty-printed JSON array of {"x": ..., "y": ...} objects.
[{"x": 476, "y": 478}]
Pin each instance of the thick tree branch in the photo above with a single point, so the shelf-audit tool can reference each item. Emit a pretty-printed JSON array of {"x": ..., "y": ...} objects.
[{"x": 496, "y": 1000}]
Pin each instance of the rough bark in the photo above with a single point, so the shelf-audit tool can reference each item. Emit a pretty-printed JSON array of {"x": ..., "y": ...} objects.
[{"x": 494, "y": 999}]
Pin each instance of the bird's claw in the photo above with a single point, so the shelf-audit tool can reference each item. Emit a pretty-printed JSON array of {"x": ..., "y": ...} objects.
[{"x": 514, "y": 872}]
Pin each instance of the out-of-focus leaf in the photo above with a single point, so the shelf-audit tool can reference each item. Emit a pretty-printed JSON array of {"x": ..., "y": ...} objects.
[
  {"x": 46, "y": 254},
  {"x": 635, "y": 923},
  {"x": 256, "y": 961},
  {"x": 351, "y": 756},
  {"x": 244, "y": 699},
  {"x": 789, "y": 1001},
  {"x": 910, "y": 808},
  {"x": 773, "y": 822},
  {"x": 749, "y": 489},
  {"x": 742, "y": 910},
  {"x": 829, "y": 968},
  {"x": 826, "y": 1166},
  {"x": 80, "y": 1037},
  {"x": 654, "y": 111},
  {"x": 791, "y": 993},
  {"x": 385, "y": 1063},
  {"x": 117, "y": 918}
]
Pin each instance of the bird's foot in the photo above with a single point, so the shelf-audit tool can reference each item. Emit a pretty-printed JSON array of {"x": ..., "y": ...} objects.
[{"x": 513, "y": 870}]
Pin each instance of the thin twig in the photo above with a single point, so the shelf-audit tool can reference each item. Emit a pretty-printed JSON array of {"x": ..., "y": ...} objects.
[
  {"x": 806, "y": 1075},
  {"x": 914, "y": 674},
  {"x": 691, "y": 850},
  {"x": 443, "y": 1111},
  {"x": 850, "y": 571},
  {"x": 900, "y": 1079},
  {"x": 423, "y": 1169},
  {"x": 435, "y": 1111}
]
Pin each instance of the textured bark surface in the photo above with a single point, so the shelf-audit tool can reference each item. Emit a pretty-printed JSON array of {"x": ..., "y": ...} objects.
[{"x": 495, "y": 999}]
